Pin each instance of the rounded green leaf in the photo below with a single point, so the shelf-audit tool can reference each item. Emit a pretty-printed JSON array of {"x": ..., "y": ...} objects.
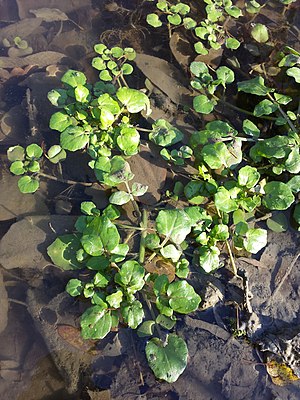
[
  {"x": 115, "y": 299},
  {"x": 74, "y": 287},
  {"x": 174, "y": 19},
  {"x": 294, "y": 72},
  {"x": 81, "y": 93},
  {"x": 63, "y": 252},
  {"x": 16, "y": 153},
  {"x": 174, "y": 224},
  {"x": 17, "y": 168},
  {"x": 225, "y": 74},
  {"x": 278, "y": 196},
  {"x": 128, "y": 140},
  {"x": 34, "y": 151},
  {"x": 105, "y": 76},
  {"x": 256, "y": 239},
  {"x": 60, "y": 121},
  {"x": 294, "y": 184},
  {"x": 99, "y": 48},
  {"x": 74, "y": 78},
  {"x": 33, "y": 166},
  {"x": 134, "y": 100},
  {"x": 57, "y": 97},
  {"x": 119, "y": 198},
  {"x": 203, "y": 104},
  {"x": 74, "y": 138},
  {"x": 92, "y": 244},
  {"x": 95, "y": 322},
  {"x": 112, "y": 171},
  {"x": 170, "y": 251},
  {"x": 248, "y": 176},
  {"x": 167, "y": 359},
  {"x": 56, "y": 154},
  {"x": 278, "y": 222},
  {"x": 164, "y": 134},
  {"x": 182, "y": 297},
  {"x": 209, "y": 258},
  {"x": 189, "y": 23},
  {"x": 146, "y": 329},
  {"x": 133, "y": 314},
  {"x": 153, "y": 20},
  {"x": 260, "y": 33},
  {"x": 127, "y": 69},
  {"x": 131, "y": 276},
  {"x": 98, "y": 63},
  {"x": 28, "y": 184},
  {"x": 232, "y": 43},
  {"x": 224, "y": 202}
]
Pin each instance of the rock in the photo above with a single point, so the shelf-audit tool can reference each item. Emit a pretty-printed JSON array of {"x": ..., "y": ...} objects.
[
  {"x": 25, "y": 244},
  {"x": 14, "y": 204}
]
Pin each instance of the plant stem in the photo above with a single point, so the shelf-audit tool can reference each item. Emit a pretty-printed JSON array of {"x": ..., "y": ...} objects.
[
  {"x": 291, "y": 125},
  {"x": 142, "y": 129},
  {"x": 165, "y": 241},
  {"x": 241, "y": 109},
  {"x": 143, "y": 235},
  {"x": 68, "y": 181},
  {"x": 231, "y": 258},
  {"x": 134, "y": 203}
]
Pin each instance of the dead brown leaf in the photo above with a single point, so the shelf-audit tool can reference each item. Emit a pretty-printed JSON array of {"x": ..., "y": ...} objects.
[{"x": 42, "y": 59}]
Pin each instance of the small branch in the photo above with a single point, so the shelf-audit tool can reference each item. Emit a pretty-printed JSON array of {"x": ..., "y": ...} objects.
[
  {"x": 231, "y": 258},
  {"x": 291, "y": 125},
  {"x": 67, "y": 181}
]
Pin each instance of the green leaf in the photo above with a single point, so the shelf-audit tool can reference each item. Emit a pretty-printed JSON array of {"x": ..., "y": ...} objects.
[
  {"x": 152, "y": 241},
  {"x": 225, "y": 74},
  {"x": 60, "y": 121},
  {"x": 248, "y": 176},
  {"x": 134, "y": 100},
  {"x": 73, "y": 78},
  {"x": 92, "y": 244},
  {"x": 192, "y": 192},
  {"x": 131, "y": 276},
  {"x": 107, "y": 102},
  {"x": 164, "y": 134},
  {"x": 105, "y": 76},
  {"x": 166, "y": 322},
  {"x": 115, "y": 299},
  {"x": 33, "y": 166},
  {"x": 265, "y": 107},
  {"x": 28, "y": 184},
  {"x": 63, "y": 252},
  {"x": 182, "y": 297},
  {"x": 278, "y": 196},
  {"x": 223, "y": 200},
  {"x": 215, "y": 155},
  {"x": 34, "y": 151},
  {"x": 74, "y": 138},
  {"x": 120, "y": 198},
  {"x": 278, "y": 222},
  {"x": 203, "y": 104},
  {"x": 232, "y": 43},
  {"x": 81, "y": 93},
  {"x": 294, "y": 72},
  {"x": 95, "y": 323},
  {"x": 294, "y": 184},
  {"x": 112, "y": 171},
  {"x": 57, "y": 97},
  {"x": 128, "y": 140},
  {"x": 133, "y": 314},
  {"x": 250, "y": 128},
  {"x": 282, "y": 99},
  {"x": 98, "y": 63},
  {"x": 138, "y": 189},
  {"x": 119, "y": 253},
  {"x": 74, "y": 287},
  {"x": 111, "y": 212},
  {"x": 200, "y": 48},
  {"x": 16, "y": 153},
  {"x": 153, "y": 20},
  {"x": 256, "y": 239},
  {"x": 127, "y": 69},
  {"x": 174, "y": 19},
  {"x": 260, "y": 33},
  {"x": 99, "y": 263},
  {"x": 189, "y": 23},
  {"x": 220, "y": 232},
  {"x": 56, "y": 154},
  {"x": 209, "y": 258},
  {"x": 180, "y": 8},
  {"x": 167, "y": 360},
  {"x": 103, "y": 228},
  {"x": 254, "y": 86},
  {"x": 17, "y": 168},
  {"x": 174, "y": 224},
  {"x": 234, "y": 11},
  {"x": 146, "y": 329},
  {"x": 170, "y": 251},
  {"x": 274, "y": 147},
  {"x": 99, "y": 48},
  {"x": 292, "y": 163},
  {"x": 87, "y": 207}
]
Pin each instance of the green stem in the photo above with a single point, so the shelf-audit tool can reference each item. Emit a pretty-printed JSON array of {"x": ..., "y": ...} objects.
[
  {"x": 143, "y": 235},
  {"x": 291, "y": 125}
]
